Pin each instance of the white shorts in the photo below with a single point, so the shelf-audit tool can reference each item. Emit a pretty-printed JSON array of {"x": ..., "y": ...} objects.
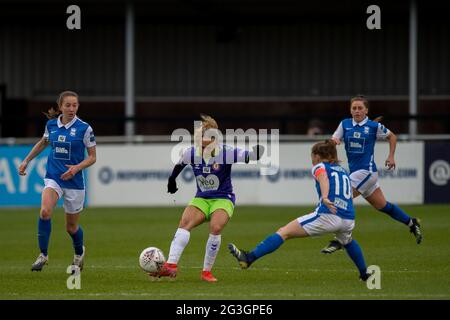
[
  {"x": 317, "y": 224},
  {"x": 365, "y": 182},
  {"x": 73, "y": 198}
]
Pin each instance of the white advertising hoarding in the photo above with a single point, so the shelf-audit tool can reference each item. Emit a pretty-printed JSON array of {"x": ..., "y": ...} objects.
[{"x": 137, "y": 176}]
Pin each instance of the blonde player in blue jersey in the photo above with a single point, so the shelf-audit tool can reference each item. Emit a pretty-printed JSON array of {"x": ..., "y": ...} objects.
[
  {"x": 334, "y": 213},
  {"x": 214, "y": 201},
  {"x": 359, "y": 135},
  {"x": 69, "y": 138}
]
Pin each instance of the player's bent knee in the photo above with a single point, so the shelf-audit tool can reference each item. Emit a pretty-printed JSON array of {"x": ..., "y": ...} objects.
[
  {"x": 186, "y": 224},
  {"x": 284, "y": 233},
  {"x": 71, "y": 227},
  {"x": 345, "y": 241},
  {"x": 46, "y": 213},
  {"x": 216, "y": 229}
]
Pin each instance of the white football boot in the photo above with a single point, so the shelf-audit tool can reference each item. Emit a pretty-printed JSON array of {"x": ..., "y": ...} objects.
[
  {"x": 39, "y": 263},
  {"x": 79, "y": 260}
]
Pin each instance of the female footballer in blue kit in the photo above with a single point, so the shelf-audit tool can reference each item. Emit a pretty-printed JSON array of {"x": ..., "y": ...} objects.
[
  {"x": 69, "y": 138},
  {"x": 359, "y": 135},
  {"x": 214, "y": 200},
  {"x": 334, "y": 213}
]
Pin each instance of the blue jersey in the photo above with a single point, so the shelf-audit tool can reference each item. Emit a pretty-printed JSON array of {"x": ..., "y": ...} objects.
[
  {"x": 359, "y": 139},
  {"x": 340, "y": 192},
  {"x": 68, "y": 143},
  {"x": 213, "y": 175}
]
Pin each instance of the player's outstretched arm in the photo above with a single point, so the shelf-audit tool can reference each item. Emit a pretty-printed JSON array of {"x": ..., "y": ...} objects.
[
  {"x": 172, "y": 182},
  {"x": 37, "y": 149}
]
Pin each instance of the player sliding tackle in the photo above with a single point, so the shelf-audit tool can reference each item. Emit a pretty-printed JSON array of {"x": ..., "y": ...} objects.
[
  {"x": 214, "y": 201},
  {"x": 334, "y": 213}
]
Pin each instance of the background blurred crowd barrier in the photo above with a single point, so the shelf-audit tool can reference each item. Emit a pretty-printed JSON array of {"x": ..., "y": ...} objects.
[{"x": 136, "y": 175}]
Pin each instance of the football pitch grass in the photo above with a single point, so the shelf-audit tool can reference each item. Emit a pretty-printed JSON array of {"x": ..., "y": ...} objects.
[{"x": 114, "y": 238}]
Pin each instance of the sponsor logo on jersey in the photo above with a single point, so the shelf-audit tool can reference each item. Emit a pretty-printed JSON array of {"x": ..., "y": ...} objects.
[
  {"x": 341, "y": 204},
  {"x": 61, "y": 150},
  {"x": 209, "y": 183},
  {"x": 354, "y": 144},
  {"x": 61, "y": 138}
]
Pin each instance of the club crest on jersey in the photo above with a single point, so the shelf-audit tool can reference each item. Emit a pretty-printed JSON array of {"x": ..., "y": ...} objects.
[
  {"x": 61, "y": 138},
  {"x": 73, "y": 132},
  {"x": 356, "y": 134},
  {"x": 216, "y": 166},
  {"x": 206, "y": 170},
  {"x": 366, "y": 130}
]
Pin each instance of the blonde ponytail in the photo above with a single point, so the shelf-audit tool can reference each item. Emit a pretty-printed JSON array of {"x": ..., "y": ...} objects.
[{"x": 208, "y": 122}]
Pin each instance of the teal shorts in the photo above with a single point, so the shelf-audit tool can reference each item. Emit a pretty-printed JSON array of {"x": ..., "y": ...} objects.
[{"x": 208, "y": 206}]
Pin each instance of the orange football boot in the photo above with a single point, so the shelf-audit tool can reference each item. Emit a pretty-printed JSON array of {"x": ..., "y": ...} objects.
[
  {"x": 207, "y": 276},
  {"x": 168, "y": 270}
]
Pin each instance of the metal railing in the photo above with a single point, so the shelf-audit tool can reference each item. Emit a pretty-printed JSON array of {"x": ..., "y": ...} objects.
[{"x": 144, "y": 139}]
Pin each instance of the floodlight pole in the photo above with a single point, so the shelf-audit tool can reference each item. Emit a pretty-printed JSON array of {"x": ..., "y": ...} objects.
[
  {"x": 413, "y": 99},
  {"x": 129, "y": 70}
]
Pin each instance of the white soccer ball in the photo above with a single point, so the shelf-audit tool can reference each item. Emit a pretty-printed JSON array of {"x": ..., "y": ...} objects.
[{"x": 152, "y": 259}]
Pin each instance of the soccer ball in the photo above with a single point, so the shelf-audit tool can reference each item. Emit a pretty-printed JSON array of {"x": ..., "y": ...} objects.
[{"x": 151, "y": 260}]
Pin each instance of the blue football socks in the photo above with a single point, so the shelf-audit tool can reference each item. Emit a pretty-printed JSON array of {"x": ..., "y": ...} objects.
[
  {"x": 77, "y": 240},
  {"x": 396, "y": 213},
  {"x": 44, "y": 230},
  {"x": 355, "y": 253},
  {"x": 268, "y": 245}
]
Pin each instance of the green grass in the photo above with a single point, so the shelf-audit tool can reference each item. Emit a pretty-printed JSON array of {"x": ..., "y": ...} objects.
[{"x": 115, "y": 237}]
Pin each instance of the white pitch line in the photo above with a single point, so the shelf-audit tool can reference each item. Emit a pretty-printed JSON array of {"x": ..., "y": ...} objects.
[
  {"x": 209, "y": 294},
  {"x": 235, "y": 268}
]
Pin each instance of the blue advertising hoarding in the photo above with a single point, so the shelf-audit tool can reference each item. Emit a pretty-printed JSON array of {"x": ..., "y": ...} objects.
[
  {"x": 19, "y": 191},
  {"x": 22, "y": 191}
]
